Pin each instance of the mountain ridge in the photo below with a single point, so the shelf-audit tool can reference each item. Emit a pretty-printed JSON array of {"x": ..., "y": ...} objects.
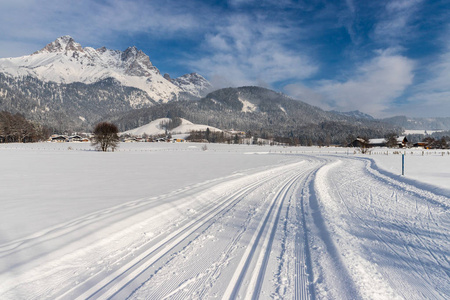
[
  {"x": 410, "y": 123},
  {"x": 68, "y": 87},
  {"x": 273, "y": 115},
  {"x": 65, "y": 61}
]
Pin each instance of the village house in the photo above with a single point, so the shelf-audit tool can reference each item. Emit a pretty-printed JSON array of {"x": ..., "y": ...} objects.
[
  {"x": 377, "y": 142},
  {"x": 75, "y": 138},
  {"x": 59, "y": 138},
  {"x": 402, "y": 142}
]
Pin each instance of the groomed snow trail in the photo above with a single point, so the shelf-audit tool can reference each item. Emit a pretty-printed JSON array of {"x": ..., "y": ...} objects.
[
  {"x": 316, "y": 227},
  {"x": 379, "y": 237}
]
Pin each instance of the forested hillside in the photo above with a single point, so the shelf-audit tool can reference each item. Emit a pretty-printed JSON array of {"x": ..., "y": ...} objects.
[{"x": 264, "y": 113}]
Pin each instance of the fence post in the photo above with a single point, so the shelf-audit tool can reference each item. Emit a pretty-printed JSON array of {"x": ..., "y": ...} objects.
[{"x": 403, "y": 164}]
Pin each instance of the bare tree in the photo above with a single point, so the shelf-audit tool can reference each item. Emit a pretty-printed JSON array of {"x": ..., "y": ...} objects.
[
  {"x": 16, "y": 129},
  {"x": 364, "y": 145},
  {"x": 391, "y": 140},
  {"x": 105, "y": 136}
]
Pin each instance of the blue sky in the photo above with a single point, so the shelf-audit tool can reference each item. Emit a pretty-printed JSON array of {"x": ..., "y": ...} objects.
[{"x": 384, "y": 58}]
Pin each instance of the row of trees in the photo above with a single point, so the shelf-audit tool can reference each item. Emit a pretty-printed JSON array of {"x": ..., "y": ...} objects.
[
  {"x": 16, "y": 129},
  {"x": 432, "y": 143},
  {"x": 210, "y": 137}
]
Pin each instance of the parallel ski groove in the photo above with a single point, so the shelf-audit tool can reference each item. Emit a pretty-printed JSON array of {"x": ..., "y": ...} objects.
[
  {"x": 304, "y": 275},
  {"x": 242, "y": 268},
  {"x": 257, "y": 281},
  {"x": 132, "y": 270}
]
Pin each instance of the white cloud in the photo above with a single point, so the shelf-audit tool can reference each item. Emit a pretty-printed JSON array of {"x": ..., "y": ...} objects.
[
  {"x": 92, "y": 22},
  {"x": 401, "y": 5},
  {"x": 373, "y": 89},
  {"x": 301, "y": 92},
  {"x": 248, "y": 50},
  {"x": 432, "y": 97},
  {"x": 394, "y": 24}
]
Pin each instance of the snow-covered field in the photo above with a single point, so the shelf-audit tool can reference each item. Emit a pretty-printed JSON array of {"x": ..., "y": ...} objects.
[{"x": 171, "y": 221}]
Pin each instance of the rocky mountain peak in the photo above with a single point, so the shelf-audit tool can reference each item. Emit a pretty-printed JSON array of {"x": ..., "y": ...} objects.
[
  {"x": 137, "y": 63},
  {"x": 134, "y": 53},
  {"x": 167, "y": 77},
  {"x": 194, "y": 83},
  {"x": 65, "y": 61},
  {"x": 193, "y": 78},
  {"x": 102, "y": 49},
  {"x": 61, "y": 44}
]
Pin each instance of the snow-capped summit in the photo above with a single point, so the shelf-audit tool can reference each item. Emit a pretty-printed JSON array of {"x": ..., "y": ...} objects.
[
  {"x": 62, "y": 44},
  {"x": 137, "y": 63},
  {"x": 193, "y": 83},
  {"x": 66, "y": 61}
]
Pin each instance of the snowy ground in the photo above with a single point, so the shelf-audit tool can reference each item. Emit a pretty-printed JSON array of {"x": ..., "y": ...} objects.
[{"x": 171, "y": 221}]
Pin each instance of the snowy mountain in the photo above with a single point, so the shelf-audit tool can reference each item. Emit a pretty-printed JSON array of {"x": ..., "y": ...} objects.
[
  {"x": 68, "y": 87},
  {"x": 193, "y": 84},
  {"x": 65, "y": 61},
  {"x": 429, "y": 124}
]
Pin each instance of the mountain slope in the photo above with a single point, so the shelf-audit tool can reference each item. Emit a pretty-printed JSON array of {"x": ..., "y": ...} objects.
[
  {"x": 193, "y": 84},
  {"x": 68, "y": 107},
  {"x": 262, "y": 112},
  {"x": 419, "y": 123},
  {"x": 68, "y": 87},
  {"x": 354, "y": 113},
  {"x": 65, "y": 61}
]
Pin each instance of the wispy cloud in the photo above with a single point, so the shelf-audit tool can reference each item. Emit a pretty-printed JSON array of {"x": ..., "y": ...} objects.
[
  {"x": 396, "y": 21},
  {"x": 372, "y": 89},
  {"x": 252, "y": 50},
  {"x": 323, "y": 52},
  {"x": 309, "y": 95},
  {"x": 432, "y": 96},
  {"x": 93, "y": 22}
]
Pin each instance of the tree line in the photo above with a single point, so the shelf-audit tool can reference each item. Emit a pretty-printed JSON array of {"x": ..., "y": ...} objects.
[{"x": 16, "y": 129}]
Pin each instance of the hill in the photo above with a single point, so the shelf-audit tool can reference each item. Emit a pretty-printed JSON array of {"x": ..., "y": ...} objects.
[
  {"x": 164, "y": 125},
  {"x": 419, "y": 123},
  {"x": 261, "y": 112}
]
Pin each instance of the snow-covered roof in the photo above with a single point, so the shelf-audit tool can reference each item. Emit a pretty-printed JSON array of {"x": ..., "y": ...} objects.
[{"x": 377, "y": 141}]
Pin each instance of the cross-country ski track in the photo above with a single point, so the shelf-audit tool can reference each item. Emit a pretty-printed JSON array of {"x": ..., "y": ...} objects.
[{"x": 314, "y": 227}]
